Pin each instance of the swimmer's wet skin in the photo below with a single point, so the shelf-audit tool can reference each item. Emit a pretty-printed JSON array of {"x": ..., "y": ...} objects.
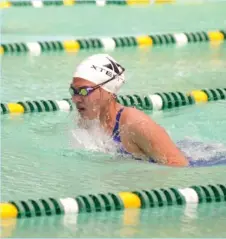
[{"x": 95, "y": 83}]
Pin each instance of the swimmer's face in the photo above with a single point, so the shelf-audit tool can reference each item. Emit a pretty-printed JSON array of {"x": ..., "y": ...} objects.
[{"x": 89, "y": 106}]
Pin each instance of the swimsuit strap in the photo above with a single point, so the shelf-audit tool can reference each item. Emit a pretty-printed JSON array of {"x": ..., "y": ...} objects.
[
  {"x": 115, "y": 133},
  {"x": 116, "y": 136}
]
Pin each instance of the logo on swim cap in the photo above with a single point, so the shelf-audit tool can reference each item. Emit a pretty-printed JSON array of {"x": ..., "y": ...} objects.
[
  {"x": 113, "y": 66},
  {"x": 99, "y": 68}
]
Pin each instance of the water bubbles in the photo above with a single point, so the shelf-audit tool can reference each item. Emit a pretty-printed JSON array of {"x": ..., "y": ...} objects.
[
  {"x": 203, "y": 154},
  {"x": 92, "y": 137}
]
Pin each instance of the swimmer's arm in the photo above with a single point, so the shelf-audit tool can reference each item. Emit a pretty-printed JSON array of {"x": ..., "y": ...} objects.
[{"x": 154, "y": 142}]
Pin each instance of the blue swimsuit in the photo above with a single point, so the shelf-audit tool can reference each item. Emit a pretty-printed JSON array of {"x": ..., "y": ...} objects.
[
  {"x": 218, "y": 158},
  {"x": 116, "y": 136}
]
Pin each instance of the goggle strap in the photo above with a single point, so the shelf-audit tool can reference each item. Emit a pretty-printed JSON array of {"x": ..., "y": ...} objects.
[{"x": 105, "y": 82}]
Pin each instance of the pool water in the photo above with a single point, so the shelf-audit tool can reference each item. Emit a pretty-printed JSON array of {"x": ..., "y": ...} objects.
[
  {"x": 24, "y": 24},
  {"x": 40, "y": 154},
  {"x": 135, "y": 223}
]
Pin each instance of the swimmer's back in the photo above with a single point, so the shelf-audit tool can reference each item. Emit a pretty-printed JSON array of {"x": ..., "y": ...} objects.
[{"x": 145, "y": 139}]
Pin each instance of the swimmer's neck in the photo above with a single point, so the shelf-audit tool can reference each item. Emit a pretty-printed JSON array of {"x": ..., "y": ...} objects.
[{"x": 108, "y": 115}]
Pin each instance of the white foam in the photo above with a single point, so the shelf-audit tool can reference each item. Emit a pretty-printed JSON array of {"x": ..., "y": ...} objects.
[
  {"x": 93, "y": 137},
  {"x": 198, "y": 150}
]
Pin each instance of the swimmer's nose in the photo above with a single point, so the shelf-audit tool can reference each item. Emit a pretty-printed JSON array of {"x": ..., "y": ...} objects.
[{"x": 77, "y": 98}]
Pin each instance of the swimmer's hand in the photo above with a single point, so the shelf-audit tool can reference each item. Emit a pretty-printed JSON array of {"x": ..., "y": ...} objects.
[{"x": 154, "y": 141}]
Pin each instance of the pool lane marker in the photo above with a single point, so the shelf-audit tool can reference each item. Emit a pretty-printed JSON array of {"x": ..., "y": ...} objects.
[
  {"x": 152, "y": 102},
  {"x": 130, "y": 200},
  {"x": 5, "y": 4},
  {"x": 190, "y": 195},
  {"x": 101, "y": 3},
  {"x": 70, "y": 205},
  {"x": 153, "y": 198},
  {"x": 8, "y": 210},
  {"x": 15, "y": 108},
  {"x": 111, "y": 43}
]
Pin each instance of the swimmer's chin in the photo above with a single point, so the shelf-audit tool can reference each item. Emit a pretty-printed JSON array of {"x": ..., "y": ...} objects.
[
  {"x": 87, "y": 123},
  {"x": 84, "y": 115}
]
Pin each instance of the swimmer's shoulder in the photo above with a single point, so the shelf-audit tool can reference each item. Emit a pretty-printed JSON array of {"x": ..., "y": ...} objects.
[
  {"x": 131, "y": 116},
  {"x": 134, "y": 123}
]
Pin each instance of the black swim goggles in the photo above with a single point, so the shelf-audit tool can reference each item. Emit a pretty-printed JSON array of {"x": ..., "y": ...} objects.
[{"x": 87, "y": 90}]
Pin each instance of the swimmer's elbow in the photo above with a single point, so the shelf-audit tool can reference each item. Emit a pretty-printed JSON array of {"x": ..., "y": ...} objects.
[
  {"x": 179, "y": 161},
  {"x": 166, "y": 152},
  {"x": 170, "y": 159},
  {"x": 156, "y": 144}
]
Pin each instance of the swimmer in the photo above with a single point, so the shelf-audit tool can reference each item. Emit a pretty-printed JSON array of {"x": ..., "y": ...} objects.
[{"x": 96, "y": 81}]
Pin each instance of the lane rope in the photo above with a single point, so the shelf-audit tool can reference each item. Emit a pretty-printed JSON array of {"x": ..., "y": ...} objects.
[
  {"x": 68, "y": 3},
  {"x": 153, "y": 198},
  {"x": 152, "y": 102},
  {"x": 99, "y": 3},
  {"x": 111, "y": 43}
]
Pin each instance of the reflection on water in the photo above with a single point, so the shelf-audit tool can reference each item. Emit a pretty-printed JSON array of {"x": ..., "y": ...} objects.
[{"x": 146, "y": 223}]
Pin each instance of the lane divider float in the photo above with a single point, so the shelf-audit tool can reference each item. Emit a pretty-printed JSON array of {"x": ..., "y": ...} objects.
[
  {"x": 153, "y": 102},
  {"x": 153, "y": 198},
  {"x": 46, "y": 3},
  {"x": 110, "y": 43}
]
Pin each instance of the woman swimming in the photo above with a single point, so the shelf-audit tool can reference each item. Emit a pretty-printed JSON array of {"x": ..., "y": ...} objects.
[{"x": 96, "y": 81}]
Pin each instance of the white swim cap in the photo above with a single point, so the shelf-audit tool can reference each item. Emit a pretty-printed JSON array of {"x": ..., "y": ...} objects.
[{"x": 99, "y": 68}]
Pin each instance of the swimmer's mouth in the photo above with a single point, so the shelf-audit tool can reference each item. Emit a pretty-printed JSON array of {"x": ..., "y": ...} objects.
[{"x": 81, "y": 109}]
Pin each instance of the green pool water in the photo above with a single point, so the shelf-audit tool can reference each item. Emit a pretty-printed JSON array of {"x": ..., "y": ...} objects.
[
  {"x": 30, "y": 24},
  {"x": 39, "y": 154}
]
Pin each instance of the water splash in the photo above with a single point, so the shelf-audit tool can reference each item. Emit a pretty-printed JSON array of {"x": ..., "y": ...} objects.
[
  {"x": 203, "y": 154},
  {"x": 93, "y": 137}
]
